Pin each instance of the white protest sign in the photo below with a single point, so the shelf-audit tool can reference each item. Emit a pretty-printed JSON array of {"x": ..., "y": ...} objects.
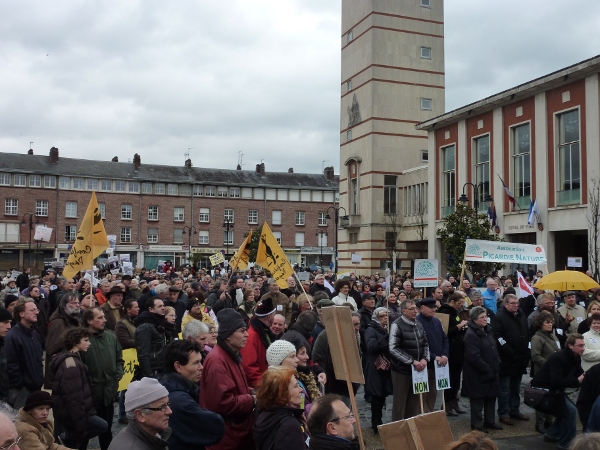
[
  {"x": 426, "y": 272},
  {"x": 112, "y": 241},
  {"x": 125, "y": 257},
  {"x": 356, "y": 258},
  {"x": 442, "y": 376},
  {"x": 420, "y": 381},
  {"x": 42, "y": 233},
  {"x": 507, "y": 252},
  {"x": 127, "y": 268}
]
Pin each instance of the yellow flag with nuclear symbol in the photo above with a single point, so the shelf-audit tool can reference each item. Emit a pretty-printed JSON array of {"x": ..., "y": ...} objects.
[
  {"x": 242, "y": 257},
  {"x": 91, "y": 241},
  {"x": 270, "y": 256}
]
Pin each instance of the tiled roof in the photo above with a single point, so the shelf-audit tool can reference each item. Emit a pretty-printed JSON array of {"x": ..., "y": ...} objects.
[{"x": 40, "y": 164}]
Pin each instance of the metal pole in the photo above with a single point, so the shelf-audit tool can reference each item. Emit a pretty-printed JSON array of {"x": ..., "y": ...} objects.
[
  {"x": 337, "y": 216},
  {"x": 30, "y": 228}
]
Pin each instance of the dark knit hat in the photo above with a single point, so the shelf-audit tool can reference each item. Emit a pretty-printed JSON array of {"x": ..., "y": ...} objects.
[
  {"x": 264, "y": 308},
  {"x": 9, "y": 299},
  {"x": 5, "y": 315},
  {"x": 307, "y": 320},
  {"x": 229, "y": 322},
  {"x": 38, "y": 398}
]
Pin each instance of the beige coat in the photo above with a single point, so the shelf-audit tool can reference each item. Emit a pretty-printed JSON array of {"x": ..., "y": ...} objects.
[{"x": 33, "y": 435}]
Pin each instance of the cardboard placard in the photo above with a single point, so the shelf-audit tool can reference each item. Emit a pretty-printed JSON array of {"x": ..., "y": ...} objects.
[
  {"x": 424, "y": 432},
  {"x": 445, "y": 319},
  {"x": 442, "y": 376},
  {"x": 345, "y": 343},
  {"x": 420, "y": 380}
]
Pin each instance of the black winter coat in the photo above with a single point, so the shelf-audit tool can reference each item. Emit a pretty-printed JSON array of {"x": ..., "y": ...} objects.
[
  {"x": 366, "y": 315},
  {"x": 151, "y": 341},
  {"x": 455, "y": 336},
  {"x": 377, "y": 382},
  {"x": 71, "y": 392},
  {"x": 24, "y": 354},
  {"x": 3, "y": 373},
  {"x": 512, "y": 336},
  {"x": 590, "y": 391},
  {"x": 408, "y": 342},
  {"x": 561, "y": 371},
  {"x": 481, "y": 363},
  {"x": 280, "y": 429}
]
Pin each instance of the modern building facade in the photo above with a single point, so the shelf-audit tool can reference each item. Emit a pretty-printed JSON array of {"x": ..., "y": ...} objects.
[
  {"x": 392, "y": 79},
  {"x": 542, "y": 138},
  {"x": 159, "y": 212}
]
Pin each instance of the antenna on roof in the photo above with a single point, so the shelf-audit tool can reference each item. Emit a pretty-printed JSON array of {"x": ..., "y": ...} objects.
[
  {"x": 187, "y": 154},
  {"x": 323, "y": 165}
]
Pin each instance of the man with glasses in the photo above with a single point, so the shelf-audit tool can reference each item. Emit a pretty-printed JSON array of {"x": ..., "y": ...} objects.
[
  {"x": 408, "y": 347},
  {"x": 9, "y": 438},
  {"x": 512, "y": 335},
  {"x": 331, "y": 424},
  {"x": 23, "y": 349},
  {"x": 148, "y": 410}
]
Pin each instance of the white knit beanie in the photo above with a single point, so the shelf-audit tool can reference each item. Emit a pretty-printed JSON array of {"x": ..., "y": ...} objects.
[
  {"x": 278, "y": 351},
  {"x": 143, "y": 392}
]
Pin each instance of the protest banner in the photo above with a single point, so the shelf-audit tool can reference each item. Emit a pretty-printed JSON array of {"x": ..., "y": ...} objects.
[
  {"x": 91, "y": 241},
  {"x": 442, "y": 376},
  {"x": 242, "y": 256},
  {"x": 270, "y": 256},
  {"x": 426, "y": 272},
  {"x": 344, "y": 352},
  {"x": 42, "y": 233},
  {"x": 423, "y": 432},
  {"x": 216, "y": 259},
  {"x": 504, "y": 252},
  {"x": 131, "y": 362}
]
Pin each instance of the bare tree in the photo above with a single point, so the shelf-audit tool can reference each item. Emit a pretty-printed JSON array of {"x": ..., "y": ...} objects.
[
  {"x": 593, "y": 216},
  {"x": 421, "y": 224},
  {"x": 392, "y": 225}
]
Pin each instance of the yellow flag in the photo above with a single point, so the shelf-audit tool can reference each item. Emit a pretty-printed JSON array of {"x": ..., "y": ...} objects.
[
  {"x": 91, "y": 241},
  {"x": 270, "y": 256},
  {"x": 242, "y": 256}
]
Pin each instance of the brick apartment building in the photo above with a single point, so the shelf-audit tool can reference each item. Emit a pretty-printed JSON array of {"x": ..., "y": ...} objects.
[{"x": 151, "y": 209}]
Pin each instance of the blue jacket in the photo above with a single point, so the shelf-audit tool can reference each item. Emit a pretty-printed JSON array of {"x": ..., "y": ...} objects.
[
  {"x": 23, "y": 349},
  {"x": 436, "y": 338},
  {"x": 192, "y": 427},
  {"x": 489, "y": 300}
]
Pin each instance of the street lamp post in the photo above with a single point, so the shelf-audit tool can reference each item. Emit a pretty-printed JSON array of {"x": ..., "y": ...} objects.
[
  {"x": 336, "y": 219},
  {"x": 191, "y": 230},
  {"x": 24, "y": 222},
  {"x": 228, "y": 225},
  {"x": 486, "y": 199},
  {"x": 321, "y": 233}
]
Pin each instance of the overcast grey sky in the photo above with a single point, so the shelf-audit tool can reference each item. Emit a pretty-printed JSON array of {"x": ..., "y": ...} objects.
[{"x": 99, "y": 79}]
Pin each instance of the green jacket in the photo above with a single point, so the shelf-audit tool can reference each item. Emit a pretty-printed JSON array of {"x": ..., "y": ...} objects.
[
  {"x": 543, "y": 344},
  {"x": 104, "y": 360}
]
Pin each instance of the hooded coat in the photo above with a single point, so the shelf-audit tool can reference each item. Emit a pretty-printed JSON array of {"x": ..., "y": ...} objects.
[
  {"x": 71, "y": 392},
  {"x": 151, "y": 341},
  {"x": 192, "y": 427}
]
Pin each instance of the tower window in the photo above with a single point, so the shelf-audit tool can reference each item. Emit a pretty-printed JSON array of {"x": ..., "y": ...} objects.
[
  {"x": 426, "y": 52},
  {"x": 349, "y": 35}
]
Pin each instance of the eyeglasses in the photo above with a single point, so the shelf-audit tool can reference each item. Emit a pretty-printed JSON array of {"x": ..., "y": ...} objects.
[
  {"x": 348, "y": 417},
  {"x": 162, "y": 408},
  {"x": 9, "y": 446},
  {"x": 414, "y": 308}
]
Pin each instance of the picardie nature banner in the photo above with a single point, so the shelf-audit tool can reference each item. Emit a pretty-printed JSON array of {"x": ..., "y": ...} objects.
[{"x": 504, "y": 252}]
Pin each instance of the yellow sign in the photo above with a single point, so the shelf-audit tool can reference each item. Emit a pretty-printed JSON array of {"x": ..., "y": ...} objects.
[
  {"x": 91, "y": 241},
  {"x": 242, "y": 256},
  {"x": 270, "y": 256},
  {"x": 216, "y": 259},
  {"x": 131, "y": 361}
]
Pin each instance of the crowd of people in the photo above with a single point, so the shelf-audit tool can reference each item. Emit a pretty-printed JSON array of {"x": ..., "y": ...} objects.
[{"x": 234, "y": 361}]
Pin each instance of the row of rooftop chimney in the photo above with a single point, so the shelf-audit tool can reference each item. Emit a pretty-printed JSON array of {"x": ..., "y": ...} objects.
[{"x": 137, "y": 162}]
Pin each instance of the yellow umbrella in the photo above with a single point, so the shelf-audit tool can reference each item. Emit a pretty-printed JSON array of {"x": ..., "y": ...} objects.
[{"x": 566, "y": 280}]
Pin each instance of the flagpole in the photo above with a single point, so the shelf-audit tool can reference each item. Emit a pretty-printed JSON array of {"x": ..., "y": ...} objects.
[
  {"x": 462, "y": 272},
  {"x": 312, "y": 306}
]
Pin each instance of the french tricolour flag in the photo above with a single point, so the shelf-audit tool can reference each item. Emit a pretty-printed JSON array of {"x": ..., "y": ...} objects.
[{"x": 511, "y": 197}]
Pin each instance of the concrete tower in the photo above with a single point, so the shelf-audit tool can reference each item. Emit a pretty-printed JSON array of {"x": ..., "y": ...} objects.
[{"x": 392, "y": 78}]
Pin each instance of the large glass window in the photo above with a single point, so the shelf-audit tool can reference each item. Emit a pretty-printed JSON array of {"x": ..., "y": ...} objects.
[
  {"x": 178, "y": 214},
  {"x": 125, "y": 234},
  {"x": 49, "y": 181},
  {"x": 152, "y": 212},
  {"x": 178, "y": 235},
  {"x": 70, "y": 233},
  {"x": 521, "y": 140},
  {"x": 448, "y": 180},
  {"x": 253, "y": 216},
  {"x": 71, "y": 209},
  {"x": 482, "y": 170},
  {"x": 204, "y": 215},
  {"x": 300, "y": 217},
  {"x": 228, "y": 216},
  {"x": 41, "y": 208},
  {"x": 390, "y": 194},
  {"x": 126, "y": 212},
  {"x": 354, "y": 193},
  {"x": 203, "y": 237},
  {"x": 35, "y": 181},
  {"x": 152, "y": 236},
  {"x": 11, "y": 207},
  {"x": 569, "y": 164}
]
